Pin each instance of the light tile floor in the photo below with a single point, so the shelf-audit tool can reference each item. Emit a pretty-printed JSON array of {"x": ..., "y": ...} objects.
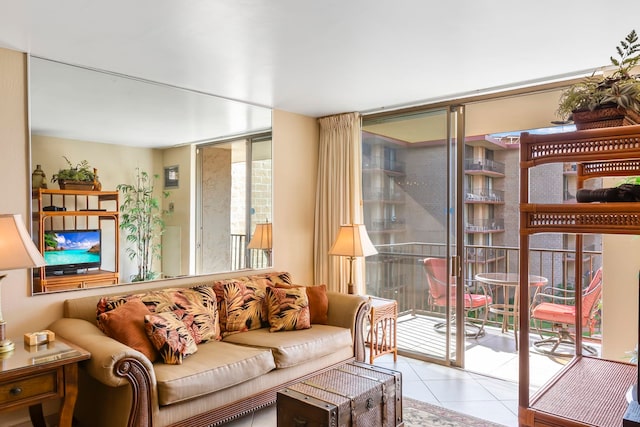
[
  {"x": 486, "y": 389},
  {"x": 478, "y": 395}
]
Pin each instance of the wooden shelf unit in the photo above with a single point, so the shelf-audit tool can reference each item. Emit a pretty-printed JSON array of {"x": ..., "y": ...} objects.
[
  {"x": 82, "y": 209},
  {"x": 588, "y": 391}
]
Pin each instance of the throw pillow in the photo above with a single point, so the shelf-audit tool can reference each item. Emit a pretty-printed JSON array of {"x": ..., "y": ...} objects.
[
  {"x": 170, "y": 337},
  {"x": 201, "y": 313},
  {"x": 288, "y": 309},
  {"x": 245, "y": 307},
  {"x": 318, "y": 302},
  {"x": 125, "y": 323}
]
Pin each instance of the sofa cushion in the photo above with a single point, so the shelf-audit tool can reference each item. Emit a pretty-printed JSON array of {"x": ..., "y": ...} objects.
[
  {"x": 288, "y": 309},
  {"x": 170, "y": 336},
  {"x": 291, "y": 348},
  {"x": 126, "y": 324},
  {"x": 216, "y": 366}
]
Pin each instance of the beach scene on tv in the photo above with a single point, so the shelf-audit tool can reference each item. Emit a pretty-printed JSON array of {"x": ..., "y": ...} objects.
[{"x": 72, "y": 248}]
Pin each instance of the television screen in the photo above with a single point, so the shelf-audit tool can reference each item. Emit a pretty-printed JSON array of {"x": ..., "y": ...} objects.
[{"x": 67, "y": 251}]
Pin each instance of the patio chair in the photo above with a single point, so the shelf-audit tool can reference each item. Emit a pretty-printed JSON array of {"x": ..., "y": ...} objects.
[
  {"x": 437, "y": 276},
  {"x": 546, "y": 306}
]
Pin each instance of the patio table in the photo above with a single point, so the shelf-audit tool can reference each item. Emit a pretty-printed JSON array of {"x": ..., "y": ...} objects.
[{"x": 505, "y": 282}]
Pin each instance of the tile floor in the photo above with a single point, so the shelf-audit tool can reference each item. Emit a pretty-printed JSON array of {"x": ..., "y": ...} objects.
[
  {"x": 486, "y": 389},
  {"x": 478, "y": 395}
]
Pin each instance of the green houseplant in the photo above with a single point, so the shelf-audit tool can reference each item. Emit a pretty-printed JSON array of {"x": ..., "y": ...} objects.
[
  {"x": 75, "y": 177},
  {"x": 606, "y": 101},
  {"x": 142, "y": 220}
]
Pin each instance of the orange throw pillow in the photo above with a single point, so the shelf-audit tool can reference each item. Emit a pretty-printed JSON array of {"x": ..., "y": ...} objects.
[{"x": 125, "y": 323}]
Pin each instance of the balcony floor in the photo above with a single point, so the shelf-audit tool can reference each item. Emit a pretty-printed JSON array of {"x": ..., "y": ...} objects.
[{"x": 493, "y": 354}]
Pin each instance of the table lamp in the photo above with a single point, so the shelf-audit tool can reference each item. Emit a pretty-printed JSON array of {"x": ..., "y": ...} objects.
[
  {"x": 16, "y": 251},
  {"x": 352, "y": 241},
  {"x": 261, "y": 239}
]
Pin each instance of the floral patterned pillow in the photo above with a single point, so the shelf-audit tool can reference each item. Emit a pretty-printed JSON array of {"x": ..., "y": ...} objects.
[
  {"x": 245, "y": 306},
  {"x": 170, "y": 336},
  {"x": 199, "y": 302},
  {"x": 288, "y": 309}
]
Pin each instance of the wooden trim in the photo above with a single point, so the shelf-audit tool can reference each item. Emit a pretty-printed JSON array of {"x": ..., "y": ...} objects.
[{"x": 134, "y": 372}]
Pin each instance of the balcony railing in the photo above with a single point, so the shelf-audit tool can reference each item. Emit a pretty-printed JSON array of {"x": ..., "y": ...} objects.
[
  {"x": 258, "y": 258},
  {"x": 484, "y": 165},
  {"x": 388, "y": 165},
  {"x": 397, "y": 271},
  {"x": 484, "y": 195},
  {"x": 484, "y": 225}
]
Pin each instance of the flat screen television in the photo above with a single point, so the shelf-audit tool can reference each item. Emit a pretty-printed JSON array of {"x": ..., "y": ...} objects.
[{"x": 71, "y": 251}]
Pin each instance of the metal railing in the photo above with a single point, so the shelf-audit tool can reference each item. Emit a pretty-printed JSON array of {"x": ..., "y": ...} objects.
[
  {"x": 397, "y": 271},
  {"x": 257, "y": 257},
  {"x": 484, "y": 165},
  {"x": 483, "y": 195},
  {"x": 484, "y": 225}
]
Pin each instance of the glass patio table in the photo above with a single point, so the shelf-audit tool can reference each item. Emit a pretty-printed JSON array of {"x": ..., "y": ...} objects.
[{"x": 504, "y": 283}]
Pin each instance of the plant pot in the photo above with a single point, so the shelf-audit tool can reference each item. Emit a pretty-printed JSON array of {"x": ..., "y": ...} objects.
[
  {"x": 67, "y": 184},
  {"x": 604, "y": 118}
]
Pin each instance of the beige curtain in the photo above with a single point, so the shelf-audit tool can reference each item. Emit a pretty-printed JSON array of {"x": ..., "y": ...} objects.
[{"x": 338, "y": 198}]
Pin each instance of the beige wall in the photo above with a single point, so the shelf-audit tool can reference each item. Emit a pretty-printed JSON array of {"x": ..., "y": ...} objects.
[
  {"x": 295, "y": 156},
  {"x": 295, "y": 166}
]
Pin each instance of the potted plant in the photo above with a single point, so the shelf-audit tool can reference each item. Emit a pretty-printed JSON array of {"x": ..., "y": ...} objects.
[
  {"x": 78, "y": 177},
  {"x": 607, "y": 101},
  {"x": 141, "y": 218}
]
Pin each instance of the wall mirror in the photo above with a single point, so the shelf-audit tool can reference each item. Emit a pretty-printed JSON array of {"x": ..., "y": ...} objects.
[{"x": 212, "y": 157}]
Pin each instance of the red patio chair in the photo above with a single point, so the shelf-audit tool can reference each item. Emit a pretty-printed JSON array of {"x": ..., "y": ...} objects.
[
  {"x": 563, "y": 315},
  {"x": 437, "y": 275}
]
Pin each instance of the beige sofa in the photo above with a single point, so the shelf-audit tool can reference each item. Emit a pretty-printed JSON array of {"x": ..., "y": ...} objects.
[{"x": 223, "y": 380}]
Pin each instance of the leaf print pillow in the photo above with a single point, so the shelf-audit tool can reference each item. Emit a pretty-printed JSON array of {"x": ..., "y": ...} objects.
[{"x": 288, "y": 309}]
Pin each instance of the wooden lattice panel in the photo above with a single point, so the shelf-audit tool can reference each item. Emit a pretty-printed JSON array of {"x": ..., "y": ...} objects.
[
  {"x": 609, "y": 168},
  {"x": 587, "y": 145},
  {"x": 609, "y": 218}
]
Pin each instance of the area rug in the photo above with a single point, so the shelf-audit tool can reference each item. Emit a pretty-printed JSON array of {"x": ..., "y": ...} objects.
[{"x": 422, "y": 414}]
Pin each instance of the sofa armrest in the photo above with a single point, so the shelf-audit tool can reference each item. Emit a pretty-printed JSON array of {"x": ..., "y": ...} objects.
[
  {"x": 114, "y": 364},
  {"x": 349, "y": 311}
]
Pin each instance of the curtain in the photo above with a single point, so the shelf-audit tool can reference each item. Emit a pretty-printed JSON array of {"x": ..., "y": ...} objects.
[{"x": 338, "y": 198}]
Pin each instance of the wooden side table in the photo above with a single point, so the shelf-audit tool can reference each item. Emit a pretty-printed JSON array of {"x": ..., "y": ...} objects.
[
  {"x": 31, "y": 375},
  {"x": 382, "y": 335}
]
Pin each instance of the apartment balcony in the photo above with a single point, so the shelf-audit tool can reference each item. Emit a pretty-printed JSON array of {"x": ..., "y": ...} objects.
[
  {"x": 390, "y": 167},
  {"x": 397, "y": 272},
  {"x": 491, "y": 225},
  {"x": 484, "y": 195},
  {"x": 484, "y": 167},
  {"x": 379, "y": 195},
  {"x": 387, "y": 225}
]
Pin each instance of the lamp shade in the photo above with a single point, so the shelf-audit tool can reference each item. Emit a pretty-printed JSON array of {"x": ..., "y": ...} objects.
[
  {"x": 16, "y": 247},
  {"x": 261, "y": 238},
  {"x": 353, "y": 241}
]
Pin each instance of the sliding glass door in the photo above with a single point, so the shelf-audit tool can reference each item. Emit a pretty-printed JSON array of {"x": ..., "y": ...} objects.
[{"x": 411, "y": 182}]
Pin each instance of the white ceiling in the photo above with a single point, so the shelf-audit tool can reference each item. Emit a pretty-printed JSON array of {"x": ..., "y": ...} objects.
[{"x": 321, "y": 57}]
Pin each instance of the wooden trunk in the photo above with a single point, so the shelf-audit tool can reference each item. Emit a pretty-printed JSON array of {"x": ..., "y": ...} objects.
[{"x": 354, "y": 394}]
